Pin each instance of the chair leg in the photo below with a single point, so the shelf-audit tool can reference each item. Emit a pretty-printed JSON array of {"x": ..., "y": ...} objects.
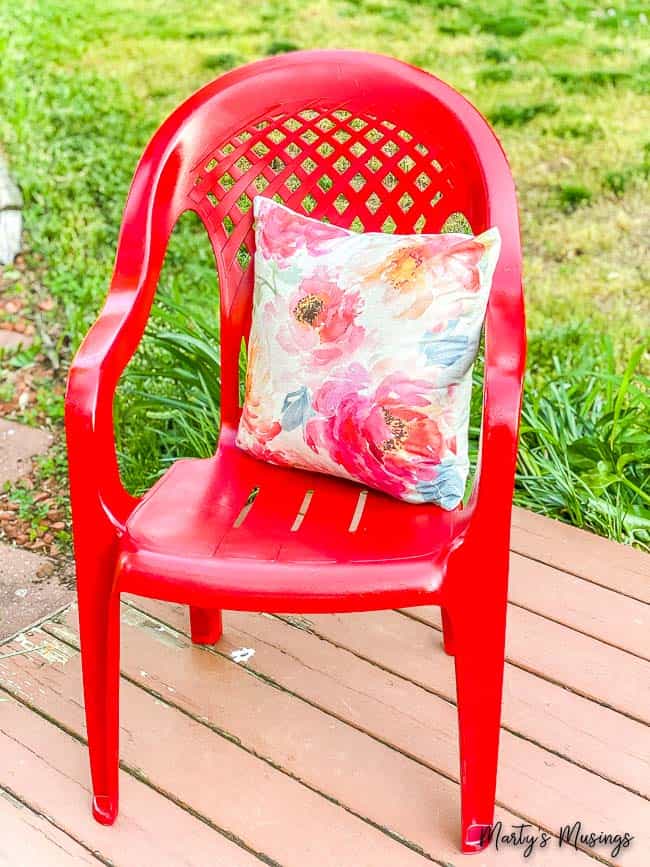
[
  {"x": 447, "y": 634},
  {"x": 479, "y": 658},
  {"x": 99, "y": 629},
  {"x": 205, "y": 625}
]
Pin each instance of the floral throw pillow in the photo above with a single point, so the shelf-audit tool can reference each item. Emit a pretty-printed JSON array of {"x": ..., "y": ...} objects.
[{"x": 361, "y": 350}]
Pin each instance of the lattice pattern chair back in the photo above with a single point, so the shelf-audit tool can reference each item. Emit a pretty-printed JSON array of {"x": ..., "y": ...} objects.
[
  {"x": 359, "y": 140},
  {"x": 358, "y": 170}
]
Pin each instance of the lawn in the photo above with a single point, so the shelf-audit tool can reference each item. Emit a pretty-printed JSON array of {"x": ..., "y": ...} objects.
[{"x": 566, "y": 84}]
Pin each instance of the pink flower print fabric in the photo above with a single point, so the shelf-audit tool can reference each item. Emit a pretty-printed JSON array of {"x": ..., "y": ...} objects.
[{"x": 361, "y": 351}]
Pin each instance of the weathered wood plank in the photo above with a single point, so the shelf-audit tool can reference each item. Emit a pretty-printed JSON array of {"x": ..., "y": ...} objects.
[
  {"x": 417, "y": 723},
  {"x": 49, "y": 770},
  {"x": 381, "y": 784},
  {"x": 611, "y": 617},
  {"x": 619, "y": 567},
  {"x": 342, "y": 762},
  {"x": 613, "y": 746},
  {"x": 27, "y": 835},
  {"x": 222, "y": 782},
  {"x": 593, "y": 669}
]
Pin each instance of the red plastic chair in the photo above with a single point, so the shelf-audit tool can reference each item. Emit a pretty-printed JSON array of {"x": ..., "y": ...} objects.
[{"x": 364, "y": 141}]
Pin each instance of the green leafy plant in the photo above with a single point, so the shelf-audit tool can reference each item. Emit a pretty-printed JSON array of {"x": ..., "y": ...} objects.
[
  {"x": 169, "y": 404},
  {"x": 617, "y": 182},
  {"x": 587, "y": 131},
  {"x": 498, "y": 55},
  {"x": 584, "y": 453},
  {"x": 510, "y": 26},
  {"x": 280, "y": 46},
  {"x": 586, "y": 82},
  {"x": 496, "y": 75}
]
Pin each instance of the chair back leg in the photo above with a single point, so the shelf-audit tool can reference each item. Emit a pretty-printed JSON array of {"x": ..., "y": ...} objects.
[
  {"x": 205, "y": 625},
  {"x": 447, "y": 633},
  {"x": 478, "y": 646}
]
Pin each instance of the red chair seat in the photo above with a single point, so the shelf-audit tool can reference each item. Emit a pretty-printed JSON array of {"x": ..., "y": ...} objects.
[{"x": 193, "y": 523}]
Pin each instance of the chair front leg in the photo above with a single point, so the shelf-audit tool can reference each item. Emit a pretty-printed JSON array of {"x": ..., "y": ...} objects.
[
  {"x": 99, "y": 629},
  {"x": 477, "y": 623}
]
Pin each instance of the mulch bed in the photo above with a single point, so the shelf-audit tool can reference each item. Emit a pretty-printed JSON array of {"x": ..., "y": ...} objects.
[{"x": 27, "y": 308}]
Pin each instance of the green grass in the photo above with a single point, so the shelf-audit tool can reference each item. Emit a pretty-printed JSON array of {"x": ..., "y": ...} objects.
[
  {"x": 82, "y": 88},
  {"x": 520, "y": 115}
]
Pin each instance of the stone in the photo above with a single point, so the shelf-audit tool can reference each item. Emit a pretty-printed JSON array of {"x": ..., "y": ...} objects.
[
  {"x": 18, "y": 445},
  {"x": 45, "y": 569},
  {"x": 29, "y": 590},
  {"x": 11, "y": 227},
  {"x": 11, "y": 220},
  {"x": 10, "y": 195}
]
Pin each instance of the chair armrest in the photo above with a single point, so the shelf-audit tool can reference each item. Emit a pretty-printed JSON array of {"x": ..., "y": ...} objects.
[
  {"x": 152, "y": 208},
  {"x": 490, "y": 502},
  {"x": 93, "y": 377}
]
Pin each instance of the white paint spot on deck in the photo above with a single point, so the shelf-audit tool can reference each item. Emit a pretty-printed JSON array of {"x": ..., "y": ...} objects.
[
  {"x": 51, "y": 651},
  {"x": 242, "y": 654}
]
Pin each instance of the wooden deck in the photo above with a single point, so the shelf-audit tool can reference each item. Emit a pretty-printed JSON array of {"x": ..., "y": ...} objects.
[{"x": 334, "y": 744}]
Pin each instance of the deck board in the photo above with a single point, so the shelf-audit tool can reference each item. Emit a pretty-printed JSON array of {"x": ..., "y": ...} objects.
[
  {"x": 619, "y": 567},
  {"x": 424, "y": 727},
  {"x": 596, "y": 611},
  {"x": 23, "y": 831},
  {"x": 266, "y": 732},
  {"x": 223, "y": 783},
  {"x": 336, "y": 743},
  {"x": 591, "y": 668},
  {"x": 406, "y": 713},
  {"x": 48, "y": 768}
]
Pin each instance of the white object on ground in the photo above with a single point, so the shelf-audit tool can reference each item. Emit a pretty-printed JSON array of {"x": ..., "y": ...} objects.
[{"x": 242, "y": 654}]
